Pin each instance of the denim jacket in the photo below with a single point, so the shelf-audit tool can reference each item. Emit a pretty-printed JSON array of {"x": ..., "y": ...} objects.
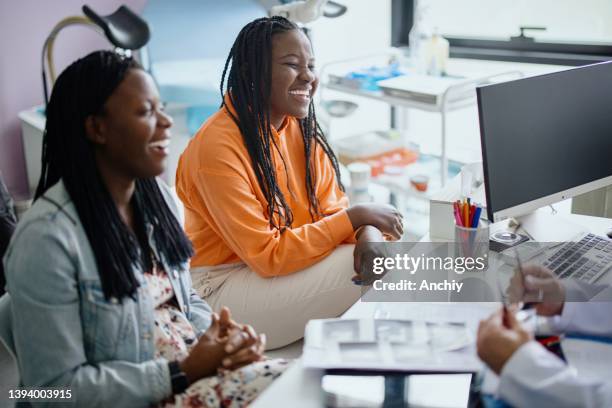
[{"x": 66, "y": 334}]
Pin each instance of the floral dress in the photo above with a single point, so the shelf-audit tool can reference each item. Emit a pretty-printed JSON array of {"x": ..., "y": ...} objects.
[{"x": 174, "y": 336}]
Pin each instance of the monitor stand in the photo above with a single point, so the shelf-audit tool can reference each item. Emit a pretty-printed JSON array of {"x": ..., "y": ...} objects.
[{"x": 542, "y": 226}]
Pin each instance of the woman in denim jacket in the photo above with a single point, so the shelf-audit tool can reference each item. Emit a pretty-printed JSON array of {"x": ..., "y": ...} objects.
[{"x": 100, "y": 293}]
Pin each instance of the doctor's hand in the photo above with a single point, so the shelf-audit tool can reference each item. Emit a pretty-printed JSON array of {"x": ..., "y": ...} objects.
[
  {"x": 370, "y": 245},
  {"x": 496, "y": 343},
  {"x": 386, "y": 218},
  {"x": 539, "y": 286}
]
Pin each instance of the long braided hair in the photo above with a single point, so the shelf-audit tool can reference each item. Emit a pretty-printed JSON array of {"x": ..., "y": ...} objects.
[
  {"x": 81, "y": 91},
  {"x": 249, "y": 78}
]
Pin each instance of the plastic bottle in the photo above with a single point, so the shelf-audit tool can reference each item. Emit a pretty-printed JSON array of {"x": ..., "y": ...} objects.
[
  {"x": 436, "y": 55},
  {"x": 418, "y": 38}
]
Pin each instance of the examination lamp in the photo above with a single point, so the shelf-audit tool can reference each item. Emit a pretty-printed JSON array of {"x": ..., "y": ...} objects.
[
  {"x": 307, "y": 11},
  {"x": 123, "y": 28}
]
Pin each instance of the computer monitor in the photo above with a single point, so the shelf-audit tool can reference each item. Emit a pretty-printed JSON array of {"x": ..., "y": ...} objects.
[{"x": 545, "y": 138}]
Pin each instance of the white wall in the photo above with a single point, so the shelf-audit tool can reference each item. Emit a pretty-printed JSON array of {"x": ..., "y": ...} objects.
[
  {"x": 364, "y": 29},
  {"x": 573, "y": 20}
]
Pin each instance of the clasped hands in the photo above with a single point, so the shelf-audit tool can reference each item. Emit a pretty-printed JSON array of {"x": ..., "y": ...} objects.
[{"x": 226, "y": 345}]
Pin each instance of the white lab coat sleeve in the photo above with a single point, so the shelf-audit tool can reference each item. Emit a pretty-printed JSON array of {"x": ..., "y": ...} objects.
[
  {"x": 534, "y": 377},
  {"x": 587, "y": 310}
]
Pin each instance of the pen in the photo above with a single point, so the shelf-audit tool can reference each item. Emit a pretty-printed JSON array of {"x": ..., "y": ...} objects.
[
  {"x": 472, "y": 214},
  {"x": 548, "y": 341},
  {"x": 520, "y": 268},
  {"x": 476, "y": 219},
  {"x": 456, "y": 213},
  {"x": 519, "y": 265}
]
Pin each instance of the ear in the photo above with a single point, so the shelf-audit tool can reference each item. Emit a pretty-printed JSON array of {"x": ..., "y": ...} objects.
[{"x": 94, "y": 129}]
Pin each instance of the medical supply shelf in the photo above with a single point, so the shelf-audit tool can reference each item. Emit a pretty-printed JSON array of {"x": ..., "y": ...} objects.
[{"x": 458, "y": 96}]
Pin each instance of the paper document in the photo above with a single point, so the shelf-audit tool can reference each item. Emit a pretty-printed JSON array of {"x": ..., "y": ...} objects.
[
  {"x": 389, "y": 344},
  {"x": 591, "y": 359}
]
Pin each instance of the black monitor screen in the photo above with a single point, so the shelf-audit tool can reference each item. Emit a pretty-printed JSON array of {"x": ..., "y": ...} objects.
[{"x": 545, "y": 134}]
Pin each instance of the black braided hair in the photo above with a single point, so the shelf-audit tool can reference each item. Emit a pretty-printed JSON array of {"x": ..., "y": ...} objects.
[
  {"x": 249, "y": 78},
  {"x": 67, "y": 154}
]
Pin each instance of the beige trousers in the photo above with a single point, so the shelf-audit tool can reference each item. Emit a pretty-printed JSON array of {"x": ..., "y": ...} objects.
[{"x": 281, "y": 306}]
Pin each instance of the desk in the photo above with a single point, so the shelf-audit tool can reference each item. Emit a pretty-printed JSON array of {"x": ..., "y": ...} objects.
[{"x": 300, "y": 388}]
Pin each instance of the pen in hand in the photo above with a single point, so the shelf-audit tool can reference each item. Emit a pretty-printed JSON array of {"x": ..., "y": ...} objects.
[{"x": 526, "y": 305}]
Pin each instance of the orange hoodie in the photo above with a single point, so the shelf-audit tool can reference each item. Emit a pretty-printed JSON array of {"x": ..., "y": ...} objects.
[{"x": 226, "y": 210}]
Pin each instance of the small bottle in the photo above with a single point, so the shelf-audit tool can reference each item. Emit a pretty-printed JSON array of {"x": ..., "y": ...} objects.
[
  {"x": 418, "y": 39},
  {"x": 437, "y": 52}
]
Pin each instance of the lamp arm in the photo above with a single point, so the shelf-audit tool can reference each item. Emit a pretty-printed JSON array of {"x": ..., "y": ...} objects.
[
  {"x": 47, "y": 49},
  {"x": 340, "y": 10},
  {"x": 304, "y": 11}
]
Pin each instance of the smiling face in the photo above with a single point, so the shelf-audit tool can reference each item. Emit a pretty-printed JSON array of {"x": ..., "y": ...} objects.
[
  {"x": 293, "y": 78},
  {"x": 132, "y": 133}
]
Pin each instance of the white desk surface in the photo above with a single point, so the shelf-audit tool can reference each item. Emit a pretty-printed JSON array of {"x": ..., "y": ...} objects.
[{"x": 300, "y": 388}]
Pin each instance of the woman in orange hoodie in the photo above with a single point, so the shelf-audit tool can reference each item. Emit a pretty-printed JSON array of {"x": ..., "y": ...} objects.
[{"x": 264, "y": 205}]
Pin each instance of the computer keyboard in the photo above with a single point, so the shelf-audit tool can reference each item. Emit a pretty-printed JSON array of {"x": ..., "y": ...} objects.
[{"x": 585, "y": 260}]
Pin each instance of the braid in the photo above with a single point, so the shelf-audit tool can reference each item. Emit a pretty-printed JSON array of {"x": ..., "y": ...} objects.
[
  {"x": 246, "y": 78},
  {"x": 67, "y": 155}
]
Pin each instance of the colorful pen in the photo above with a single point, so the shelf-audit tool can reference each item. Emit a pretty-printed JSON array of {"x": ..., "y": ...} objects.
[
  {"x": 476, "y": 219},
  {"x": 456, "y": 213},
  {"x": 472, "y": 213}
]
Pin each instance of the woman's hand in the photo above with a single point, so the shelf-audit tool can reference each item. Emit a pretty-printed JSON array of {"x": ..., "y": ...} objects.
[
  {"x": 496, "y": 343},
  {"x": 225, "y": 345},
  {"x": 370, "y": 245},
  {"x": 206, "y": 357},
  {"x": 540, "y": 286},
  {"x": 244, "y": 347},
  {"x": 386, "y": 218},
  {"x": 226, "y": 323},
  {"x": 242, "y": 344}
]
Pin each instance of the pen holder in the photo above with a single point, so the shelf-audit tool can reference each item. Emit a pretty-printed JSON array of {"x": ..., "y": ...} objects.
[{"x": 472, "y": 244}]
